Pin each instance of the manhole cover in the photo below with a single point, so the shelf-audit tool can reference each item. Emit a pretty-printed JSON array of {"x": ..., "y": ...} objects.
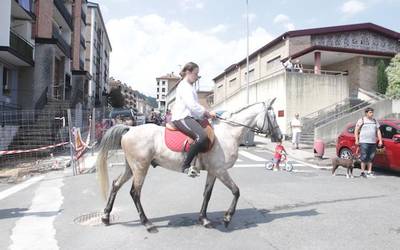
[{"x": 93, "y": 219}]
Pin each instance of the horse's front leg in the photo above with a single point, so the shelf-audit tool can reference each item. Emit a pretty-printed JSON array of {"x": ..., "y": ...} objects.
[
  {"x": 226, "y": 179},
  {"x": 116, "y": 185},
  {"x": 138, "y": 180},
  {"x": 203, "y": 220}
]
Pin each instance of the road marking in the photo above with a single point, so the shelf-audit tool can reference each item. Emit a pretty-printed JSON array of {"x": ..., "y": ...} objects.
[
  {"x": 251, "y": 156},
  {"x": 257, "y": 165},
  {"x": 19, "y": 187},
  {"x": 239, "y": 160},
  {"x": 36, "y": 230}
]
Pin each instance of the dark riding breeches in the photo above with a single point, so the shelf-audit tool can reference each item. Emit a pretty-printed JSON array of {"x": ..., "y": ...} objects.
[{"x": 193, "y": 129}]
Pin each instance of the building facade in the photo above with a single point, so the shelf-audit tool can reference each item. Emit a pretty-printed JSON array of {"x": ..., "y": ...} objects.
[
  {"x": 97, "y": 55},
  {"x": 336, "y": 62},
  {"x": 164, "y": 85},
  {"x": 16, "y": 52}
]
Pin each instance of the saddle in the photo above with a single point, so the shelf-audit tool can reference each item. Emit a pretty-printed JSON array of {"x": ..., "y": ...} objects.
[{"x": 179, "y": 142}]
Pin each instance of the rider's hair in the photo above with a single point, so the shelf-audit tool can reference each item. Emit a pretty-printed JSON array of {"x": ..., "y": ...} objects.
[
  {"x": 369, "y": 109},
  {"x": 190, "y": 66}
]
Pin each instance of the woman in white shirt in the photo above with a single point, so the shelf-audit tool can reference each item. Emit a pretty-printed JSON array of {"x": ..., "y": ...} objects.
[{"x": 187, "y": 112}]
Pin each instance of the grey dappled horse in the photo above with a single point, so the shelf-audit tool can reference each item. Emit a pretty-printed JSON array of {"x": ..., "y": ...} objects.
[{"x": 144, "y": 146}]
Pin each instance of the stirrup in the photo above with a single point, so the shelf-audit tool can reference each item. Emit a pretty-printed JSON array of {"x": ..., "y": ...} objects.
[{"x": 192, "y": 172}]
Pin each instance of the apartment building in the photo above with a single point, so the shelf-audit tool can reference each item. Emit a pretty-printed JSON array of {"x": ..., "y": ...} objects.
[
  {"x": 80, "y": 76},
  {"x": 337, "y": 62},
  {"x": 16, "y": 52},
  {"x": 164, "y": 85},
  {"x": 97, "y": 55}
]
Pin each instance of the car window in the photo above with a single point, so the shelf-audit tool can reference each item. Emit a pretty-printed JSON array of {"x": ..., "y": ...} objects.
[
  {"x": 351, "y": 129},
  {"x": 388, "y": 131}
]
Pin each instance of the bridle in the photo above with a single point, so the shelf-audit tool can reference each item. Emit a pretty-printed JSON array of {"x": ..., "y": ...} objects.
[{"x": 256, "y": 130}]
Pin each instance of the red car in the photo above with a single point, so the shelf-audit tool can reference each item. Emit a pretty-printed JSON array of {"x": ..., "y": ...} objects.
[{"x": 388, "y": 157}]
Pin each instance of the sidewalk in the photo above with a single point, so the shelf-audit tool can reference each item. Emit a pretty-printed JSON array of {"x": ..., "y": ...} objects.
[{"x": 305, "y": 153}]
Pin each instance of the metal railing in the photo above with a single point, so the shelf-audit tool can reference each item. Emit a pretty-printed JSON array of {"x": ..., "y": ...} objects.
[
  {"x": 324, "y": 72},
  {"x": 64, "y": 12},
  {"x": 82, "y": 40},
  {"x": 83, "y": 16},
  {"x": 21, "y": 46},
  {"x": 81, "y": 64}
]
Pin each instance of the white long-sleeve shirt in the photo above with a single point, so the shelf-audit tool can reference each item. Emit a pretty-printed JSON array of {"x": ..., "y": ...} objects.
[{"x": 186, "y": 102}]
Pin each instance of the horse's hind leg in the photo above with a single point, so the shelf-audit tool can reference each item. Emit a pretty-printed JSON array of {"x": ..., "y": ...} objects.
[
  {"x": 226, "y": 179},
  {"x": 203, "y": 220},
  {"x": 116, "y": 185},
  {"x": 137, "y": 184}
]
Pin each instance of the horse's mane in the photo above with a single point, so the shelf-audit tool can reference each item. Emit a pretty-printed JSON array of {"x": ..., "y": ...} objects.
[{"x": 241, "y": 109}]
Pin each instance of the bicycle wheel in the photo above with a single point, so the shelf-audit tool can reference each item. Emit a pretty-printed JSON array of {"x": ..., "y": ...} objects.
[
  {"x": 288, "y": 167},
  {"x": 269, "y": 165}
]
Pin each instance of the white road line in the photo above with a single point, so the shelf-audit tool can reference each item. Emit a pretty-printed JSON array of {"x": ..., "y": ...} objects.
[
  {"x": 251, "y": 156},
  {"x": 239, "y": 160},
  {"x": 258, "y": 165},
  {"x": 19, "y": 187},
  {"x": 36, "y": 230}
]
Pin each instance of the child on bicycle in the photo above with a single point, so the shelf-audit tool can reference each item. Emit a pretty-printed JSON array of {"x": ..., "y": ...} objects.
[{"x": 279, "y": 151}]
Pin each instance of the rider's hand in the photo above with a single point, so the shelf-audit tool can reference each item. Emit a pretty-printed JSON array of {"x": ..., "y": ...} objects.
[
  {"x": 357, "y": 143},
  {"x": 380, "y": 143},
  {"x": 211, "y": 114}
]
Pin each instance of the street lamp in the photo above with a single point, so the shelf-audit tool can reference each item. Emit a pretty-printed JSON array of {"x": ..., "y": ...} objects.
[{"x": 247, "y": 54}]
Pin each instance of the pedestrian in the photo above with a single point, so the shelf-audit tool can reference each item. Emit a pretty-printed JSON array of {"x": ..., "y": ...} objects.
[
  {"x": 279, "y": 151},
  {"x": 296, "y": 126},
  {"x": 168, "y": 116},
  {"x": 298, "y": 67},
  {"x": 188, "y": 112},
  {"x": 288, "y": 65},
  {"x": 366, "y": 134}
]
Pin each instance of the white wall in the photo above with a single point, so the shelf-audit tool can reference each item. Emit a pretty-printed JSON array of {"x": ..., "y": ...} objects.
[{"x": 5, "y": 14}]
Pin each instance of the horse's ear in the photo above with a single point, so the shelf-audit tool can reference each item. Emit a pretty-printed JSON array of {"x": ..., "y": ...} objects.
[{"x": 272, "y": 102}]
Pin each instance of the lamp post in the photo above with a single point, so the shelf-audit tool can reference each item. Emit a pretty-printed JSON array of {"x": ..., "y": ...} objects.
[{"x": 247, "y": 54}]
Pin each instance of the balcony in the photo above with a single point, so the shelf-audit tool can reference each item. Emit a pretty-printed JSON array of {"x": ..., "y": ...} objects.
[
  {"x": 81, "y": 64},
  {"x": 83, "y": 42},
  {"x": 19, "y": 52},
  {"x": 23, "y": 10},
  {"x": 83, "y": 16},
  {"x": 64, "y": 12},
  {"x": 62, "y": 44}
]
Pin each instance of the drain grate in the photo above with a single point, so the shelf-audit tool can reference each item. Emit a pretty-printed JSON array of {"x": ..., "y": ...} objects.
[{"x": 93, "y": 219}]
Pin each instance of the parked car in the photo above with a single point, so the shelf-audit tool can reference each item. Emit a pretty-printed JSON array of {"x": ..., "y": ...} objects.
[
  {"x": 123, "y": 116},
  {"x": 388, "y": 157}
]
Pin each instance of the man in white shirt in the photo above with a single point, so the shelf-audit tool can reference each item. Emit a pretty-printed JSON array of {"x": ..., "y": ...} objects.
[{"x": 296, "y": 126}]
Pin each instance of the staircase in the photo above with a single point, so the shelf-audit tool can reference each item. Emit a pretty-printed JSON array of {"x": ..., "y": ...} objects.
[
  {"x": 336, "y": 111},
  {"x": 40, "y": 128}
]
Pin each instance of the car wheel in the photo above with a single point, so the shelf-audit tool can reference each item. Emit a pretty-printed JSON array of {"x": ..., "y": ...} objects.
[{"x": 345, "y": 153}]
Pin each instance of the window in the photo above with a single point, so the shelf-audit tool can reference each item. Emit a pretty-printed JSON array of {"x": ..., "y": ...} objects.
[
  {"x": 274, "y": 63},
  {"x": 158, "y": 89},
  {"x": 251, "y": 75},
  {"x": 6, "y": 81},
  {"x": 158, "y": 96},
  {"x": 388, "y": 131},
  {"x": 369, "y": 61},
  {"x": 158, "y": 84},
  {"x": 163, "y": 90},
  {"x": 232, "y": 82},
  {"x": 163, "y": 83}
]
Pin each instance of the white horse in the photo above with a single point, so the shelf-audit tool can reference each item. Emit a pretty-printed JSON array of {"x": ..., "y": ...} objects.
[{"x": 144, "y": 146}]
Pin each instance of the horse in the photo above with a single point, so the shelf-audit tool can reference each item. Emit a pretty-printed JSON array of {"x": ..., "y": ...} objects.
[{"x": 144, "y": 146}]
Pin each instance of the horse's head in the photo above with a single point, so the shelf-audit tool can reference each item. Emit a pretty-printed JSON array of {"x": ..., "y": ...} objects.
[{"x": 266, "y": 122}]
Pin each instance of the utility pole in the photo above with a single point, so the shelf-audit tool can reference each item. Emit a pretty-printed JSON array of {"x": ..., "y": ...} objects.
[{"x": 247, "y": 56}]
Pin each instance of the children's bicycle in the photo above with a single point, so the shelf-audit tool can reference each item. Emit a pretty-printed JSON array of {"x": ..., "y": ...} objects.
[{"x": 284, "y": 163}]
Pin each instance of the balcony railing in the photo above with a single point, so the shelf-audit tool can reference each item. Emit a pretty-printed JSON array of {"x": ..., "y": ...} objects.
[
  {"x": 64, "y": 46},
  {"x": 64, "y": 11},
  {"x": 26, "y": 4},
  {"x": 83, "y": 42},
  {"x": 81, "y": 64},
  {"x": 21, "y": 46},
  {"x": 83, "y": 16}
]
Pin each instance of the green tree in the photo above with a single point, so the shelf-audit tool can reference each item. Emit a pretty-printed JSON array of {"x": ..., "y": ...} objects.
[
  {"x": 382, "y": 77},
  {"x": 116, "y": 99},
  {"x": 393, "y": 74}
]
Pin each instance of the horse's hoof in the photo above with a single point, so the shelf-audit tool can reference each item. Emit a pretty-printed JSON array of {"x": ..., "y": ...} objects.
[
  {"x": 227, "y": 220},
  {"x": 206, "y": 223},
  {"x": 151, "y": 229},
  {"x": 105, "y": 219}
]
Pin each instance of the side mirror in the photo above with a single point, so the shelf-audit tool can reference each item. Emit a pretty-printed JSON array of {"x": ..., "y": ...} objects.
[{"x": 396, "y": 138}]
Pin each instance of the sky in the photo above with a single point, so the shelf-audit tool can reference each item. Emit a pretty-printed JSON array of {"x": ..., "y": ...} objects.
[{"x": 151, "y": 38}]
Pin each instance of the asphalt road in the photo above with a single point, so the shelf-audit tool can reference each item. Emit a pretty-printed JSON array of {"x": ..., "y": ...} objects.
[{"x": 303, "y": 209}]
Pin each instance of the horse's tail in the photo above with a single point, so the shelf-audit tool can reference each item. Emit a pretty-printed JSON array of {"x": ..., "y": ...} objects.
[{"x": 111, "y": 140}]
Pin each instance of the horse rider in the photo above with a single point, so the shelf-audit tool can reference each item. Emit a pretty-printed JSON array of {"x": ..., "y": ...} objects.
[{"x": 187, "y": 112}]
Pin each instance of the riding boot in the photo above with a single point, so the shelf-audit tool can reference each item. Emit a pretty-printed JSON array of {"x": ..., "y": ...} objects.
[{"x": 193, "y": 151}]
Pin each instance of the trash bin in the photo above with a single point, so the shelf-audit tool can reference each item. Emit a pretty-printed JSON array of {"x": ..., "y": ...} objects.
[{"x": 319, "y": 148}]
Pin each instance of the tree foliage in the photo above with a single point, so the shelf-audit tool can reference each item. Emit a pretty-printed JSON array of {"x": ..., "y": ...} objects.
[
  {"x": 116, "y": 99},
  {"x": 393, "y": 74},
  {"x": 382, "y": 77}
]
